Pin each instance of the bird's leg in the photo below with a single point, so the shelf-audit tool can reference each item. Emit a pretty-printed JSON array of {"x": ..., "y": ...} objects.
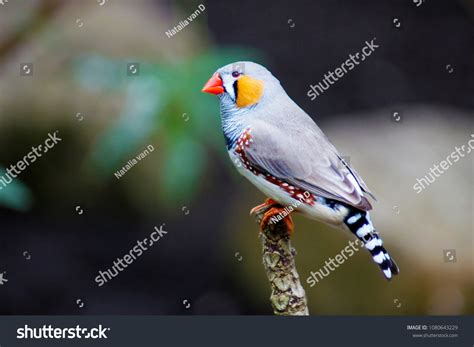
[{"x": 273, "y": 209}]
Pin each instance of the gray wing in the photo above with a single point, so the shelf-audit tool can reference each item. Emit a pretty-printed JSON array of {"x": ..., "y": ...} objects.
[{"x": 301, "y": 155}]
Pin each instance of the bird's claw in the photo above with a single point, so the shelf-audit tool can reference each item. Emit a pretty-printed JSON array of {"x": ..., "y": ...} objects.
[
  {"x": 265, "y": 205},
  {"x": 270, "y": 210}
]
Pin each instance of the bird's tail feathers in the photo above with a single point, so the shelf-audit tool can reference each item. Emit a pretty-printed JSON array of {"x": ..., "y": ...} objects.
[{"x": 359, "y": 224}]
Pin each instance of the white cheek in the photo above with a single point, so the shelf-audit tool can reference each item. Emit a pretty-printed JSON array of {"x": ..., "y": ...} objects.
[{"x": 229, "y": 87}]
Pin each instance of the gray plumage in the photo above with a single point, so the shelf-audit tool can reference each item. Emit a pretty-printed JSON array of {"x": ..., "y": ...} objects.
[
  {"x": 288, "y": 144},
  {"x": 281, "y": 150}
]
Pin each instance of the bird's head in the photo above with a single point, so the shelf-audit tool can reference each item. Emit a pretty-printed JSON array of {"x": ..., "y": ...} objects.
[{"x": 243, "y": 84}]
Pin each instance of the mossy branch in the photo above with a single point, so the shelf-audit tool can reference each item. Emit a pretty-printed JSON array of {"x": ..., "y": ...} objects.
[{"x": 287, "y": 294}]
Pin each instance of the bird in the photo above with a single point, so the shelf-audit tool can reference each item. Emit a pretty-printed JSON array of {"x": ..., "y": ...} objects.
[{"x": 279, "y": 148}]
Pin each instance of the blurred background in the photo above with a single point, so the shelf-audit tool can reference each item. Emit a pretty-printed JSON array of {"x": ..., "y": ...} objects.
[{"x": 67, "y": 216}]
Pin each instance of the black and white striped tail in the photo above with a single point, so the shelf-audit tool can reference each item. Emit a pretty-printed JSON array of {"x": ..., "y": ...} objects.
[{"x": 361, "y": 226}]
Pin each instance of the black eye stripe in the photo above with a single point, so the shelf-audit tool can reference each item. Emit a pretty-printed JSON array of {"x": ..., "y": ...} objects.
[{"x": 235, "y": 89}]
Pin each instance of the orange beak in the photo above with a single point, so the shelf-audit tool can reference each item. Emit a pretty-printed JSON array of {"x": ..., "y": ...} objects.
[{"x": 214, "y": 85}]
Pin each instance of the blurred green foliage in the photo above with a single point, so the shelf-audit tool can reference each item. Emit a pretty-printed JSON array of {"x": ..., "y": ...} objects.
[
  {"x": 163, "y": 104},
  {"x": 15, "y": 195}
]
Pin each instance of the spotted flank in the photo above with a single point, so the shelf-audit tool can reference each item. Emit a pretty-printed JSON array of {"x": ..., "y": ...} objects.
[
  {"x": 360, "y": 225},
  {"x": 295, "y": 192},
  {"x": 244, "y": 141}
]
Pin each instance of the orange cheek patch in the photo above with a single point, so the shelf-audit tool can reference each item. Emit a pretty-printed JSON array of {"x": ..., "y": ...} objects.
[{"x": 249, "y": 91}]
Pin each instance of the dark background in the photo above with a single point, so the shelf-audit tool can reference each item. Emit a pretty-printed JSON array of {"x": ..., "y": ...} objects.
[
  {"x": 411, "y": 61},
  {"x": 196, "y": 261}
]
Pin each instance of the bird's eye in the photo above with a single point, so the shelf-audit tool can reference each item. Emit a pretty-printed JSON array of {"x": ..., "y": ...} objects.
[{"x": 235, "y": 74}]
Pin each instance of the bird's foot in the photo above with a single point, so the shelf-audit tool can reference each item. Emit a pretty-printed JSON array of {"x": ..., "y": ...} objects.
[
  {"x": 273, "y": 213},
  {"x": 265, "y": 205},
  {"x": 277, "y": 214}
]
